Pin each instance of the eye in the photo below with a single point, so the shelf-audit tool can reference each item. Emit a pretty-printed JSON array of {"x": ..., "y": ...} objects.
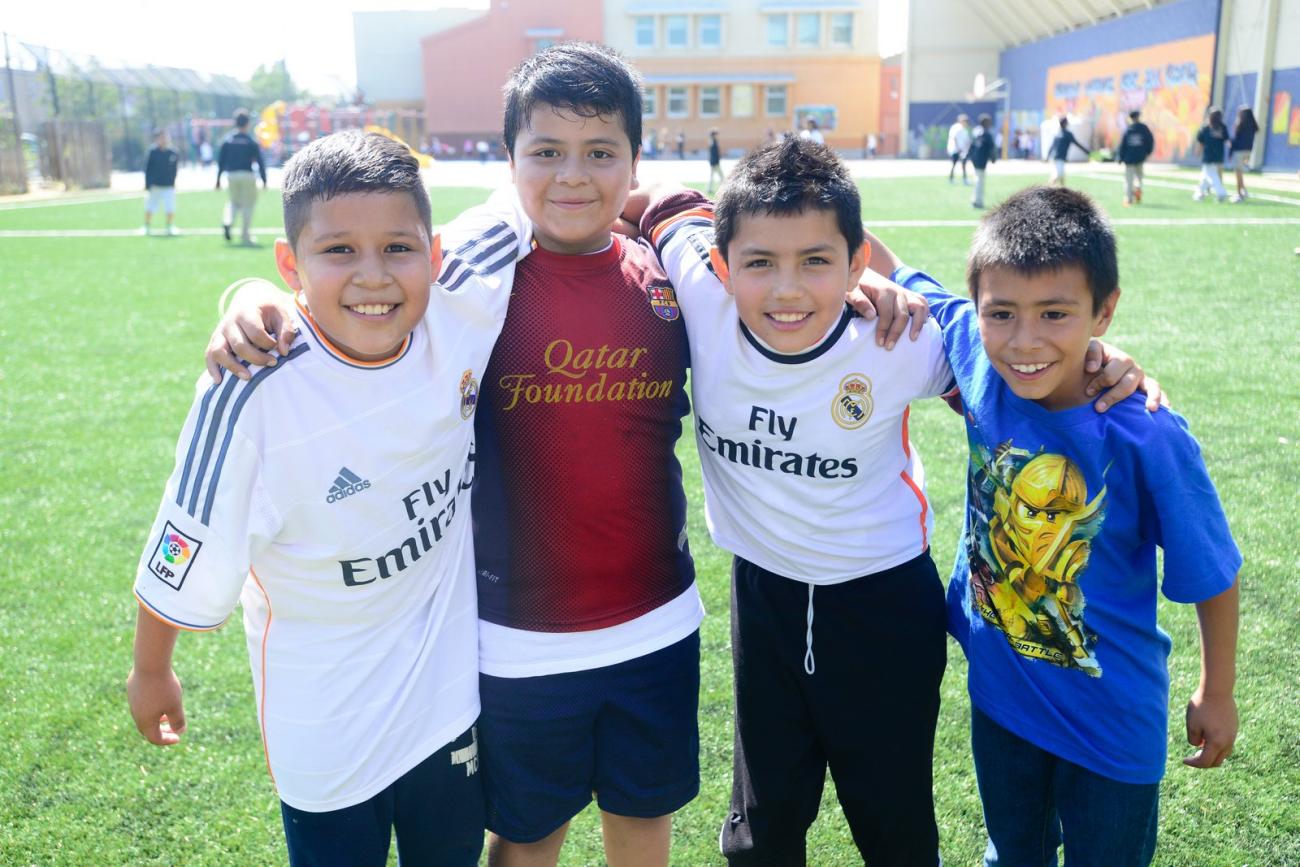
[
  {"x": 758, "y": 263},
  {"x": 338, "y": 248},
  {"x": 998, "y": 315},
  {"x": 398, "y": 248},
  {"x": 601, "y": 155},
  {"x": 546, "y": 153},
  {"x": 1055, "y": 315},
  {"x": 818, "y": 260}
]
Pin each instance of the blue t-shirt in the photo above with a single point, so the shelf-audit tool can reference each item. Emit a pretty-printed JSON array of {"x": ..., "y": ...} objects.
[{"x": 1053, "y": 595}]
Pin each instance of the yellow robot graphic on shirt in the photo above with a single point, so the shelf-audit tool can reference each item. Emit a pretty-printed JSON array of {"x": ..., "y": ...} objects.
[{"x": 1032, "y": 528}]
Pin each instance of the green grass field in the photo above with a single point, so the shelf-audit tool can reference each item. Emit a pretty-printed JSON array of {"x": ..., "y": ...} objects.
[{"x": 100, "y": 342}]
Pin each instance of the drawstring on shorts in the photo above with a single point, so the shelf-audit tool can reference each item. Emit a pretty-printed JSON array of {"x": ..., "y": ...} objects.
[{"x": 809, "y": 664}]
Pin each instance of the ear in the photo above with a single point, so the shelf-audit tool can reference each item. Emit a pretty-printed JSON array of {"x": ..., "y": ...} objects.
[
  {"x": 435, "y": 255},
  {"x": 720, "y": 268},
  {"x": 1106, "y": 315},
  {"x": 287, "y": 264}
]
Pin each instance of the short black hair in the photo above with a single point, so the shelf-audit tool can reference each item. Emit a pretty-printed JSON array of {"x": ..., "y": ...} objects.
[
  {"x": 581, "y": 78},
  {"x": 1134, "y": 114},
  {"x": 349, "y": 162},
  {"x": 1042, "y": 229},
  {"x": 241, "y": 117},
  {"x": 786, "y": 178}
]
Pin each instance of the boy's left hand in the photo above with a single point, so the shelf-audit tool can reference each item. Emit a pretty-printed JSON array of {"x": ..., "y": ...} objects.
[
  {"x": 1117, "y": 371},
  {"x": 893, "y": 307},
  {"x": 1211, "y": 726}
]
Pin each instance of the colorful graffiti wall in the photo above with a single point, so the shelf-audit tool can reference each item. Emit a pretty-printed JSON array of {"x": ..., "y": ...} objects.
[{"x": 1170, "y": 83}]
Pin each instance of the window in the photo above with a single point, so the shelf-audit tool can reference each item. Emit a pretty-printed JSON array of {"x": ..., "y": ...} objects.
[
  {"x": 676, "y": 32},
  {"x": 649, "y": 102},
  {"x": 742, "y": 100},
  {"x": 808, "y": 27},
  {"x": 542, "y": 44},
  {"x": 677, "y": 105},
  {"x": 710, "y": 101},
  {"x": 708, "y": 31},
  {"x": 778, "y": 30},
  {"x": 775, "y": 103},
  {"x": 842, "y": 29},
  {"x": 645, "y": 31}
]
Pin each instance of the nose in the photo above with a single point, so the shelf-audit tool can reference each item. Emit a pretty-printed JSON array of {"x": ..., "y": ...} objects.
[
  {"x": 571, "y": 171},
  {"x": 372, "y": 272},
  {"x": 786, "y": 284},
  {"x": 1024, "y": 336}
]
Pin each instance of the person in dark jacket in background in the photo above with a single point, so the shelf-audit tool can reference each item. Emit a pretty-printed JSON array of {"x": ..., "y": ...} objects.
[
  {"x": 1243, "y": 142},
  {"x": 1136, "y": 144},
  {"x": 983, "y": 150},
  {"x": 1212, "y": 141},
  {"x": 715, "y": 161},
  {"x": 160, "y": 181},
  {"x": 1060, "y": 150},
  {"x": 238, "y": 153}
]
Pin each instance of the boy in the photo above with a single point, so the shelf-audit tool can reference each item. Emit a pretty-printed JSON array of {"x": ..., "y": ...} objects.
[
  {"x": 1135, "y": 146},
  {"x": 345, "y": 537},
  {"x": 801, "y": 426},
  {"x": 1059, "y": 151},
  {"x": 983, "y": 150},
  {"x": 160, "y": 181},
  {"x": 236, "y": 157},
  {"x": 1212, "y": 142},
  {"x": 959, "y": 146},
  {"x": 1053, "y": 596}
]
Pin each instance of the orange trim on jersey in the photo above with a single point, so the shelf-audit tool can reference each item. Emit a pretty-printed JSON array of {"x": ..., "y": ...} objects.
[
  {"x": 261, "y": 705},
  {"x": 339, "y": 353},
  {"x": 660, "y": 228},
  {"x": 911, "y": 483},
  {"x": 147, "y": 609}
]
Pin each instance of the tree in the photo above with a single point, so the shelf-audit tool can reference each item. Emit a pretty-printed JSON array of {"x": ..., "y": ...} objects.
[{"x": 271, "y": 83}]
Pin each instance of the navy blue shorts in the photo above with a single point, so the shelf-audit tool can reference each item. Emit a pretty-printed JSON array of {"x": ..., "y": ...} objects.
[
  {"x": 627, "y": 733},
  {"x": 436, "y": 809}
]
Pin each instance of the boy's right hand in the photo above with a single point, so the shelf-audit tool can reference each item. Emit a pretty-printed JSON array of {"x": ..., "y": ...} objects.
[
  {"x": 259, "y": 319},
  {"x": 156, "y": 705}
]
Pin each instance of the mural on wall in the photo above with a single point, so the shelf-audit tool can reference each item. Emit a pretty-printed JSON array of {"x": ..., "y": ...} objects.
[{"x": 1169, "y": 83}]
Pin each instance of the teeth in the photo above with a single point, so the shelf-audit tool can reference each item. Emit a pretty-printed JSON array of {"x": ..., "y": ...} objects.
[
  {"x": 372, "y": 309},
  {"x": 788, "y": 317},
  {"x": 1029, "y": 368}
]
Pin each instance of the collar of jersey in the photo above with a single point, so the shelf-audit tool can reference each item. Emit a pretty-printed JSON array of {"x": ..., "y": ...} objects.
[
  {"x": 578, "y": 263},
  {"x": 318, "y": 336},
  {"x": 800, "y": 358}
]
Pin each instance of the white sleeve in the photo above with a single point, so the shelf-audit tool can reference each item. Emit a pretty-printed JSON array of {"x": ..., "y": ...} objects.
[
  {"x": 935, "y": 375},
  {"x": 213, "y": 518},
  {"x": 485, "y": 242},
  {"x": 683, "y": 249}
]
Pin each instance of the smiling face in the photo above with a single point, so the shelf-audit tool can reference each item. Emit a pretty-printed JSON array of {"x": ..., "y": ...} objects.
[
  {"x": 789, "y": 275},
  {"x": 363, "y": 263},
  {"x": 1036, "y": 329},
  {"x": 573, "y": 175}
]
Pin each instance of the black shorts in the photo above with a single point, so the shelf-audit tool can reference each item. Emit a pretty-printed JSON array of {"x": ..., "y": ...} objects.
[
  {"x": 867, "y": 710},
  {"x": 436, "y": 809}
]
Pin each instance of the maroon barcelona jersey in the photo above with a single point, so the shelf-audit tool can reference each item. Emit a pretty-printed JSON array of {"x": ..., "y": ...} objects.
[{"x": 579, "y": 513}]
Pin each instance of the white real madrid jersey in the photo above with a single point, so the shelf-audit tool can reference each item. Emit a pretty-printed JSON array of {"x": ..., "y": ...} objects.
[
  {"x": 808, "y": 471},
  {"x": 330, "y": 498}
]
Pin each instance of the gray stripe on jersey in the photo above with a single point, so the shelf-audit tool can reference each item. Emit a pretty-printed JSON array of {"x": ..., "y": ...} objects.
[
  {"x": 231, "y": 383},
  {"x": 194, "y": 441},
  {"x": 490, "y": 268},
  {"x": 253, "y": 383}
]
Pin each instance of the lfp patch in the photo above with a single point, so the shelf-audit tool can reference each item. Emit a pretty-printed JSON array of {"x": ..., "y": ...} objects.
[
  {"x": 173, "y": 557},
  {"x": 664, "y": 303}
]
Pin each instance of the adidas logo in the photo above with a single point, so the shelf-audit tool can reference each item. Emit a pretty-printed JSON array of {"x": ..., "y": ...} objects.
[{"x": 347, "y": 484}]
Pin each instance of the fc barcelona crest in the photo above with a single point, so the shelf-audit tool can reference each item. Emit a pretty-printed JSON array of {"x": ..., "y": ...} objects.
[{"x": 664, "y": 303}]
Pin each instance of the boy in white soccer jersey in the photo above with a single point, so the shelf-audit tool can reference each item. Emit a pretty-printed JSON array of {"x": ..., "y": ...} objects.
[
  {"x": 345, "y": 535},
  {"x": 801, "y": 423}
]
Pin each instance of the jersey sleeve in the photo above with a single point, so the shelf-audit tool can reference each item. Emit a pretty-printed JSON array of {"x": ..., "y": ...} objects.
[
  {"x": 935, "y": 374},
  {"x": 955, "y": 317},
  {"x": 1201, "y": 560},
  {"x": 480, "y": 250},
  {"x": 213, "y": 518},
  {"x": 680, "y": 228}
]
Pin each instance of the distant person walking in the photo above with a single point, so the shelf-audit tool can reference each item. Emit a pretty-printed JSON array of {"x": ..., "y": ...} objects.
[
  {"x": 715, "y": 162},
  {"x": 160, "y": 181},
  {"x": 983, "y": 150},
  {"x": 811, "y": 131},
  {"x": 1060, "y": 150},
  {"x": 236, "y": 158},
  {"x": 1243, "y": 142},
  {"x": 681, "y": 145},
  {"x": 959, "y": 146},
  {"x": 871, "y": 145},
  {"x": 1135, "y": 146},
  {"x": 1212, "y": 141}
]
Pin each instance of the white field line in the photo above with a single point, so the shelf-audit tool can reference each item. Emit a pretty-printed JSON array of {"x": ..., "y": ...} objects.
[
  {"x": 1190, "y": 188},
  {"x": 59, "y": 201},
  {"x": 117, "y": 233}
]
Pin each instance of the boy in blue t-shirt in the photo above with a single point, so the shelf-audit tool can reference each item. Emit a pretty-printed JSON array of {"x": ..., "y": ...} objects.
[{"x": 1053, "y": 595}]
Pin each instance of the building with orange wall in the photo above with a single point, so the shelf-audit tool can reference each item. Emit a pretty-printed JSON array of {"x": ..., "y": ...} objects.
[{"x": 465, "y": 66}]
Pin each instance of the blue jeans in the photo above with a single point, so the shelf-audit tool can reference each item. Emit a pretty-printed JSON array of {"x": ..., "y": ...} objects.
[{"x": 1033, "y": 800}]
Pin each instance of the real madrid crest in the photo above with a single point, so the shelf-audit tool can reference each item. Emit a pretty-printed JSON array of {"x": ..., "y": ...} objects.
[
  {"x": 468, "y": 394},
  {"x": 663, "y": 301},
  {"x": 852, "y": 405}
]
